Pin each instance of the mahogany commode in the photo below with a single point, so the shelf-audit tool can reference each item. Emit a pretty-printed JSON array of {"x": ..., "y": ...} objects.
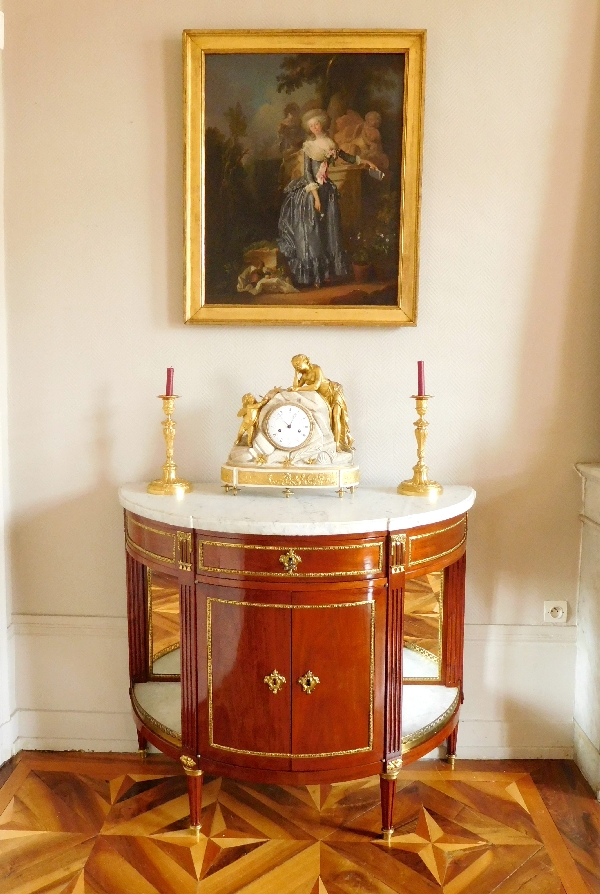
[{"x": 302, "y": 641}]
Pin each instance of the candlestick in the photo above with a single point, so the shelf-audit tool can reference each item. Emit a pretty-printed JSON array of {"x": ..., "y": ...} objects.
[
  {"x": 169, "y": 484},
  {"x": 420, "y": 378},
  {"x": 169, "y": 386},
  {"x": 420, "y": 485}
]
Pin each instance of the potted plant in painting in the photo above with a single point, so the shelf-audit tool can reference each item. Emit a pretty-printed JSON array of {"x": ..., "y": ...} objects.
[
  {"x": 385, "y": 240},
  {"x": 384, "y": 252},
  {"x": 360, "y": 257},
  {"x": 361, "y": 265}
]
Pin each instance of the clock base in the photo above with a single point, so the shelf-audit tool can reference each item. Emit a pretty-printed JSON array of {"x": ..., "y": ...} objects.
[{"x": 331, "y": 477}]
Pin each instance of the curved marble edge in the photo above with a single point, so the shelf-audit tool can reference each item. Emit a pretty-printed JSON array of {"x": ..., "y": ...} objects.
[
  {"x": 369, "y": 509},
  {"x": 588, "y": 470}
]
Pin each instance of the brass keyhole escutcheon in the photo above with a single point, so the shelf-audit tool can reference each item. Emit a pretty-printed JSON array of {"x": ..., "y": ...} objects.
[
  {"x": 308, "y": 682},
  {"x": 274, "y": 681},
  {"x": 290, "y": 561}
]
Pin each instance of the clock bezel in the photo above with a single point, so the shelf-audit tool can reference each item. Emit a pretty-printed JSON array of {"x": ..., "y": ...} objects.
[{"x": 265, "y": 426}]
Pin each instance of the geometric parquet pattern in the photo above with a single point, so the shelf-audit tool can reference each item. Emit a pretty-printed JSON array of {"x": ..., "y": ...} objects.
[{"x": 84, "y": 826}]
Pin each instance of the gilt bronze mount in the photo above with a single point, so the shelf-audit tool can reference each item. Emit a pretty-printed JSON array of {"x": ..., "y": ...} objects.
[{"x": 420, "y": 485}]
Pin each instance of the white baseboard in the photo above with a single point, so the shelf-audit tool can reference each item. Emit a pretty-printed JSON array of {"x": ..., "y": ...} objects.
[
  {"x": 8, "y": 737},
  {"x": 72, "y": 688},
  {"x": 79, "y": 730},
  {"x": 504, "y": 740},
  {"x": 84, "y": 731}
]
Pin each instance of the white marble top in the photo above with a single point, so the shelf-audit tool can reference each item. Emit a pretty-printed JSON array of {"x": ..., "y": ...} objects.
[{"x": 262, "y": 511}]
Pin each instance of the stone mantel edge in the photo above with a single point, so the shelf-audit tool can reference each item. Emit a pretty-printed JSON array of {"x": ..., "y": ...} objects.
[{"x": 587, "y": 697}]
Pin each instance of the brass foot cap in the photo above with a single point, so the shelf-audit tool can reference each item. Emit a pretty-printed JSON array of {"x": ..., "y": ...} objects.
[
  {"x": 142, "y": 752},
  {"x": 386, "y": 834}
]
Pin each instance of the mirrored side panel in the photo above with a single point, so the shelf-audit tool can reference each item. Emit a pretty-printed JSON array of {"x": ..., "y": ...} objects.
[
  {"x": 163, "y": 625},
  {"x": 423, "y": 607}
]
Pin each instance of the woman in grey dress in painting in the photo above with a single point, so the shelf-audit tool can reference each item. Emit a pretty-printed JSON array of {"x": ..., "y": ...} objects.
[{"x": 310, "y": 225}]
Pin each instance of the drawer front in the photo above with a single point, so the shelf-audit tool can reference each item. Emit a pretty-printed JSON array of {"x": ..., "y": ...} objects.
[
  {"x": 435, "y": 545},
  {"x": 259, "y": 560},
  {"x": 159, "y": 543}
]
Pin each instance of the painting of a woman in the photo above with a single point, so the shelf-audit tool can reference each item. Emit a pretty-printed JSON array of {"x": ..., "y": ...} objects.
[
  {"x": 283, "y": 223},
  {"x": 310, "y": 225}
]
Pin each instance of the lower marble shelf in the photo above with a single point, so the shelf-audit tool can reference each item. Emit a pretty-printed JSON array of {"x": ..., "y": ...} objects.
[{"x": 426, "y": 708}]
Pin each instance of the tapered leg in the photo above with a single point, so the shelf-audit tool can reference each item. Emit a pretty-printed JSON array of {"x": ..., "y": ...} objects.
[
  {"x": 194, "y": 781},
  {"x": 142, "y": 744},
  {"x": 388, "y": 793},
  {"x": 195, "y": 796},
  {"x": 451, "y": 747},
  {"x": 387, "y": 785}
]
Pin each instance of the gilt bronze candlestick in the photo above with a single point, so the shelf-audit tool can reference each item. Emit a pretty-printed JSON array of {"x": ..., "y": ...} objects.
[
  {"x": 169, "y": 484},
  {"x": 420, "y": 485}
]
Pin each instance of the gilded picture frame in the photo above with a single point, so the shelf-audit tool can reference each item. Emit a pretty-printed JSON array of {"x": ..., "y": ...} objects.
[{"x": 302, "y": 176}]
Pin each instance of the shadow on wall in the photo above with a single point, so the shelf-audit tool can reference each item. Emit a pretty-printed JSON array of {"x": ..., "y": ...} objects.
[
  {"x": 68, "y": 559},
  {"x": 518, "y": 694},
  {"x": 559, "y": 377}
]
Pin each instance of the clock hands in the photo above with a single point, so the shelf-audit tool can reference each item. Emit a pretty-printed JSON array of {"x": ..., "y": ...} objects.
[{"x": 289, "y": 427}]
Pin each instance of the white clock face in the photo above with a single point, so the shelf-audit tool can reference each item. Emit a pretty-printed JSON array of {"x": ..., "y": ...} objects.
[{"x": 288, "y": 427}]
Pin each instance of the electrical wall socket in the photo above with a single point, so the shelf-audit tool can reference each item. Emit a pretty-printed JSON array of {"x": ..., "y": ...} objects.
[{"x": 555, "y": 612}]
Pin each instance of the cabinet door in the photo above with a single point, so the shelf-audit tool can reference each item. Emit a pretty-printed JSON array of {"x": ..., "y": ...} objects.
[
  {"x": 336, "y": 643},
  {"x": 248, "y": 641}
]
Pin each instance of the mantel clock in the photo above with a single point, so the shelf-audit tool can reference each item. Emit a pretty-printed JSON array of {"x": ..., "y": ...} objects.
[{"x": 294, "y": 437}]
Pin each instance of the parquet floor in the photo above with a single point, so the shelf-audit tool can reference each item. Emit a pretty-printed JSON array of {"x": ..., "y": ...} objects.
[{"x": 90, "y": 824}]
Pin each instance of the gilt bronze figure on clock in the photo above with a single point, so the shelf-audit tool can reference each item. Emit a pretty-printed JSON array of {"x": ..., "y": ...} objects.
[{"x": 294, "y": 437}]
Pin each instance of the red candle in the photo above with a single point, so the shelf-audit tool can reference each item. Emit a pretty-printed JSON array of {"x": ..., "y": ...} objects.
[
  {"x": 169, "y": 386},
  {"x": 421, "y": 378}
]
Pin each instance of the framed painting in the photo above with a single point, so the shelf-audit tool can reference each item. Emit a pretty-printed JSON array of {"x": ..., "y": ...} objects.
[{"x": 302, "y": 176}]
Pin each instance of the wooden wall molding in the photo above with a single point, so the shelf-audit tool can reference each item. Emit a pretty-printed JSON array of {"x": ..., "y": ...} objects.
[
  {"x": 68, "y": 625},
  {"x": 100, "y": 625}
]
